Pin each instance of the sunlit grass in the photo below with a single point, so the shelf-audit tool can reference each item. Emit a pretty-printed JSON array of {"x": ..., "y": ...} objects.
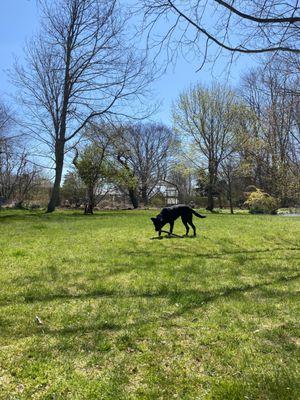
[{"x": 126, "y": 317}]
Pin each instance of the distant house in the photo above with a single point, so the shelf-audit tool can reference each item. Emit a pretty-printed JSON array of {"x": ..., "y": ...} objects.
[{"x": 170, "y": 192}]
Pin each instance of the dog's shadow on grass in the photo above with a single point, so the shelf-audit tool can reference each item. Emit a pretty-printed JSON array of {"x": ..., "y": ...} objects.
[
  {"x": 173, "y": 237},
  {"x": 165, "y": 237}
]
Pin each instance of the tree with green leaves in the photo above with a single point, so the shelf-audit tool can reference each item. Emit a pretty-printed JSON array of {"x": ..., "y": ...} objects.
[
  {"x": 73, "y": 189},
  {"x": 92, "y": 170},
  {"x": 210, "y": 118},
  {"x": 273, "y": 98}
]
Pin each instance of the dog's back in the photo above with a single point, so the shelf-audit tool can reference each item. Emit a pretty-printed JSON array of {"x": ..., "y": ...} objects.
[{"x": 173, "y": 212}]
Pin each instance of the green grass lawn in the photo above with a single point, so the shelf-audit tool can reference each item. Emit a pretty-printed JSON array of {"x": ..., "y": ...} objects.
[{"x": 125, "y": 317}]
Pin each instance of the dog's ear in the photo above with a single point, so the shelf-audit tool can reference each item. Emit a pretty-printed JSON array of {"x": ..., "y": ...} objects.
[{"x": 153, "y": 219}]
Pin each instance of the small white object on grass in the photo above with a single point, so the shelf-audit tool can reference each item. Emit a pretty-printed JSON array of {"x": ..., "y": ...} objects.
[{"x": 38, "y": 320}]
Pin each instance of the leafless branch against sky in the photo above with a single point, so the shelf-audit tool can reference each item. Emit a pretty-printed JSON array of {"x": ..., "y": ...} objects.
[{"x": 203, "y": 27}]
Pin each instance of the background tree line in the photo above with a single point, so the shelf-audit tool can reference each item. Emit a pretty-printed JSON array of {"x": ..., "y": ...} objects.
[
  {"x": 222, "y": 142},
  {"x": 84, "y": 74}
]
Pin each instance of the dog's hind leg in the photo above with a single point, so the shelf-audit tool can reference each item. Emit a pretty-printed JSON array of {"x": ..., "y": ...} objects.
[
  {"x": 184, "y": 221},
  {"x": 193, "y": 226}
]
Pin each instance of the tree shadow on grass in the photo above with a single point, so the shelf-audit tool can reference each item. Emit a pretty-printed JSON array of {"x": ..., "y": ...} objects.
[
  {"x": 20, "y": 217},
  {"x": 188, "y": 300},
  {"x": 80, "y": 329},
  {"x": 98, "y": 214},
  {"x": 227, "y": 292},
  {"x": 182, "y": 253},
  {"x": 122, "y": 268},
  {"x": 33, "y": 329},
  {"x": 164, "y": 292},
  {"x": 59, "y": 216},
  {"x": 52, "y": 273}
]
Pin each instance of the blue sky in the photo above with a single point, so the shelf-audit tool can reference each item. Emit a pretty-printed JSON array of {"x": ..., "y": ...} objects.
[{"x": 19, "y": 20}]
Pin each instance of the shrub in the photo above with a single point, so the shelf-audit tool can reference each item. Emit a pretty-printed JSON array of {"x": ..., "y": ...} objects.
[
  {"x": 260, "y": 202},
  {"x": 158, "y": 200}
]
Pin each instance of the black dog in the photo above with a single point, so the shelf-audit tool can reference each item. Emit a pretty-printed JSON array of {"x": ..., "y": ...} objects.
[{"x": 169, "y": 214}]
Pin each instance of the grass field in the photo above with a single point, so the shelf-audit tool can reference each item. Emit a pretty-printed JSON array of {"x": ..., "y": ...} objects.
[{"x": 214, "y": 317}]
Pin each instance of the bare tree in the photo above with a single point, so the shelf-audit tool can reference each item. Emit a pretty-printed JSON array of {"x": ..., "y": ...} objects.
[
  {"x": 127, "y": 181},
  {"x": 211, "y": 118},
  {"x": 81, "y": 66},
  {"x": 230, "y": 168},
  {"x": 18, "y": 176},
  {"x": 209, "y": 26},
  {"x": 287, "y": 71},
  {"x": 145, "y": 150},
  {"x": 181, "y": 175},
  {"x": 5, "y": 119},
  {"x": 5, "y": 126}
]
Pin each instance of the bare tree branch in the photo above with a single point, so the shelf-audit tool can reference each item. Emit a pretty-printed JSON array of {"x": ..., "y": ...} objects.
[{"x": 83, "y": 65}]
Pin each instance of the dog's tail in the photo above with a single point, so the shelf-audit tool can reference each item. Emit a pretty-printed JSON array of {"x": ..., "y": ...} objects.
[{"x": 197, "y": 214}]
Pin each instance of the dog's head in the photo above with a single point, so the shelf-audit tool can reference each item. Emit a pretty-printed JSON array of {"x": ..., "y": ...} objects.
[{"x": 158, "y": 223}]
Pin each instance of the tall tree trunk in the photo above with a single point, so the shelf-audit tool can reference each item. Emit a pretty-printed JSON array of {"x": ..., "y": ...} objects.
[
  {"x": 61, "y": 134},
  {"x": 230, "y": 195},
  {"x": 90, "y": 204},
  {"x": 59, "y": 163},
  {"x": 144, "y": 195},
  {"x": 210, "y": 189},
  {"x": 210, "y": 198},
  {"x": 133, "y": 197},
  {"x": 88, "y": 208},
  {"x": 220, "y": 201}
]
